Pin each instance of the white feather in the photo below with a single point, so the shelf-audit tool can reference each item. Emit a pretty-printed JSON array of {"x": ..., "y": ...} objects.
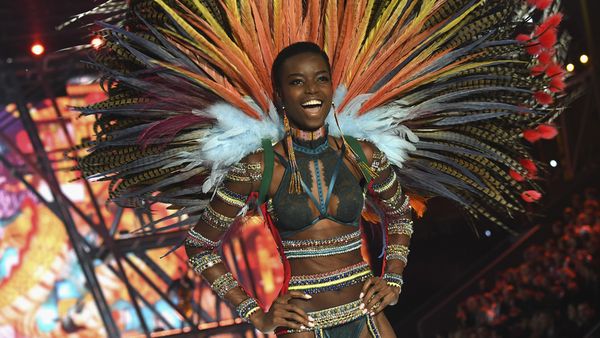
[
  {"x": 380, "y": 126},
  {"x": 234, "y": 136}
]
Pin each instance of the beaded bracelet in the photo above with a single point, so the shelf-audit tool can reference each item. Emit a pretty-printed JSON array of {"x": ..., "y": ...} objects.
[
  {"x": 215, "y": 219},
  {"x": 245, "y": 172},
  {"x": 387, "y": 184},
  {"x": 195, "y": 239},
  {"x": 403, "y": 227},
  {"x": 393, "y": 279},
  {"x": 393, "y": 201},
  {"x": 247, "y": 307},
  {"x": 224, "y": 284},
  {"x": 231, "y": 197},
  {"x": 204, "y": 260},
  {"x": 392, "y": 208},
  {"x": 380, "y": 162},
  {"x": 397, "y": 251}
]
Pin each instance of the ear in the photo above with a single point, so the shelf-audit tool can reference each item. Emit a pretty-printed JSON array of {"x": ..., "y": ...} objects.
[{"x": 278, "y": 101}]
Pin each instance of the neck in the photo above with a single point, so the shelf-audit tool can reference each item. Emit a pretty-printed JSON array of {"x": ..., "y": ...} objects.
[
  {"x": 304, "y": 136},
  {"x": 309, "y": 139}
]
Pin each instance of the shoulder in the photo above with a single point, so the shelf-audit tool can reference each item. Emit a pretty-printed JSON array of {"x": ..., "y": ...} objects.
[
  {"x": 375, "y": 157},
  {"x": 256, "y": 157},
  {"x": 372, "y": 153}
]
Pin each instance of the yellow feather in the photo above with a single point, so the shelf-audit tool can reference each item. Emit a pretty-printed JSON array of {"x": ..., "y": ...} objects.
[
  {"x": 330, "y": 34},
  {"x": 232, "y": 5},
  {"x": 358, "y": 38},
  {"x": 200, "y": 41},
  {"x": 212, "y": 22}
]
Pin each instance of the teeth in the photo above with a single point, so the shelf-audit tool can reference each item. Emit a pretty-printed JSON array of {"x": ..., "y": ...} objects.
[{"x": 312, "y": 103}]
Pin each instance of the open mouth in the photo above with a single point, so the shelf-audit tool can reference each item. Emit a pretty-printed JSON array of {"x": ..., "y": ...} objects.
[{"x": 312, "y": 106}]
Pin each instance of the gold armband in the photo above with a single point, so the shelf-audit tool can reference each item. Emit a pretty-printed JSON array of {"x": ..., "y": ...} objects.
[
  {"x": 245, "y": 172},
  {"x": 401, "y": 227},
  {"x": 397, "y": 251},
  {"x": 231, "y": 197},
  {"x": 215, "y": 219},
  {"x": 380, "y": 162}
]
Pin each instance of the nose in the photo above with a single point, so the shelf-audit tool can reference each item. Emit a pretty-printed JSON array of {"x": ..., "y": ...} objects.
[{"x": 310, "y": 87}]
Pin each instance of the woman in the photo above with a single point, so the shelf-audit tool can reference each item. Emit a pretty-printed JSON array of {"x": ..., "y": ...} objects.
[
  {"x": 332, "y": 292},
  {"x": 446, "y": 89}
]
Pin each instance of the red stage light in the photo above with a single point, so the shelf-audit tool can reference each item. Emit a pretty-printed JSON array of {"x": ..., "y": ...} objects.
[
  {"x": 38, "y": 49},
  {"x": 96, "y": 42}
]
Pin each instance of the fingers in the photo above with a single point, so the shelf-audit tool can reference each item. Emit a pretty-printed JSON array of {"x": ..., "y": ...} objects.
[
  {"x": 290, "y": 315},
  {"x": 366, "y": 287},
  {"x": 373, "y": 285},
  {"x": 298, "y": 294},
  {"x": 285, "y": 298},
  {"x": 377, "y": 296}
]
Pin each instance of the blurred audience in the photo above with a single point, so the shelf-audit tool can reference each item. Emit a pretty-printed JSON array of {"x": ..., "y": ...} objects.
[{"x": 555, "y": 292}]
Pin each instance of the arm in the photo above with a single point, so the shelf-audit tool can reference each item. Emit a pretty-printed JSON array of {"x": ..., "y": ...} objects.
[
  {"x": 380, "y": 292},
  {"x": 205, "y": 237}
]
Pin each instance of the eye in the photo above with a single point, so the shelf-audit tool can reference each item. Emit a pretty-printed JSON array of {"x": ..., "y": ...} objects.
[
  {"x": 323, "y": 78},
  {"x": 296, "y": 82}
]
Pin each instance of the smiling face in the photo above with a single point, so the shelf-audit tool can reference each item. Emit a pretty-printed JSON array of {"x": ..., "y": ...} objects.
[{"x": 305, "y": 90}]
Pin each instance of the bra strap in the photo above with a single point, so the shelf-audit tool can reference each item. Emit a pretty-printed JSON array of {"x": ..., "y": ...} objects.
[{"x": 355, "y": 145}]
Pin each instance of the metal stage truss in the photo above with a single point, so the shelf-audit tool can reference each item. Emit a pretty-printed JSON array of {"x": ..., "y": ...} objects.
[{"x": 95, "y": 241}]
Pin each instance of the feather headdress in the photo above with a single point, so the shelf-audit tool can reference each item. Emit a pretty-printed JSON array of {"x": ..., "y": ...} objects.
[{"x": 446, "y": 88}]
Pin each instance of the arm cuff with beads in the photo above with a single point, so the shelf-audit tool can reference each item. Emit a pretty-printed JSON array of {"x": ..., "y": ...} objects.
[
  {"x": 397, "y": 251},
  {"x": 204, "y": 260},
  {"x": 393, "y": 279},
  {"x": 223, "y": 284},
  {"x": 247, "y": 307}
]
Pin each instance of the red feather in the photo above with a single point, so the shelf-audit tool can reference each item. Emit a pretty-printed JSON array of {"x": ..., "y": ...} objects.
[
  {"x": 523, "y": 38},
  {"x": 531, "y": 135},
  {"x": 516, "y": 176},
  {"x": 552, "y": 22},
  {"x": 534, "y": 49},
  {"x": 543, "y": 4},
  {"x": 530, "y": 196},
  {"x": 168, "y": 128},
  {"x": 537, "y": 69},
  {"x": 557, "y": 84},
  {"x": 545, "y": 56},
  {"x": 547, "y": 131},
  {"x": 543, "y": 98},
  {"x": 530, "y": 167},
  {"x": 548, "y": 38},
  {"x": 554, "y": 70}
]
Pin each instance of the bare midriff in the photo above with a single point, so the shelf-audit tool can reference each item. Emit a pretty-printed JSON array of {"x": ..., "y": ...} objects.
[{"x": 325, "y": 229}]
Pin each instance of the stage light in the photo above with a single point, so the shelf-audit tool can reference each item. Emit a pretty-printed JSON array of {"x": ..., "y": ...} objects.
[
  {"x": 570, "y": 67},
  {"x": 96, "y": 42},
  {"x": 584, "y": 59},
  {"x": 38, "y": 49},
  {"x": 487, "y": 233},
  {"x": 553, "y": 163}
]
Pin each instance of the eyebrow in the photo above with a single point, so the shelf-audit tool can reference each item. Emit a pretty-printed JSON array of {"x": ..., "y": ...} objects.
[{"x": 299, "y": 74}]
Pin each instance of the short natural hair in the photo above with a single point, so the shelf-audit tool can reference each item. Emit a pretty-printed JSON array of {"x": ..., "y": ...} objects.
[{"x": 293, "y": 50}]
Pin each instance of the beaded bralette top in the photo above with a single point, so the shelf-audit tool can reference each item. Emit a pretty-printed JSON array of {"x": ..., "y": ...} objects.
[{"x": 330, "y": 190}]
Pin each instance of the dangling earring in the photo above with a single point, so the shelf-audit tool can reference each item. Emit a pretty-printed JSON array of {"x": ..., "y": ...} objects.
[
  {"x": 352, "y": 156},
  {"x": 295, "y": 179}
]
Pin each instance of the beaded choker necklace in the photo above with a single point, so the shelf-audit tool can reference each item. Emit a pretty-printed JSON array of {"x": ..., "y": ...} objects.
[{"x": 310, "y": 142}]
